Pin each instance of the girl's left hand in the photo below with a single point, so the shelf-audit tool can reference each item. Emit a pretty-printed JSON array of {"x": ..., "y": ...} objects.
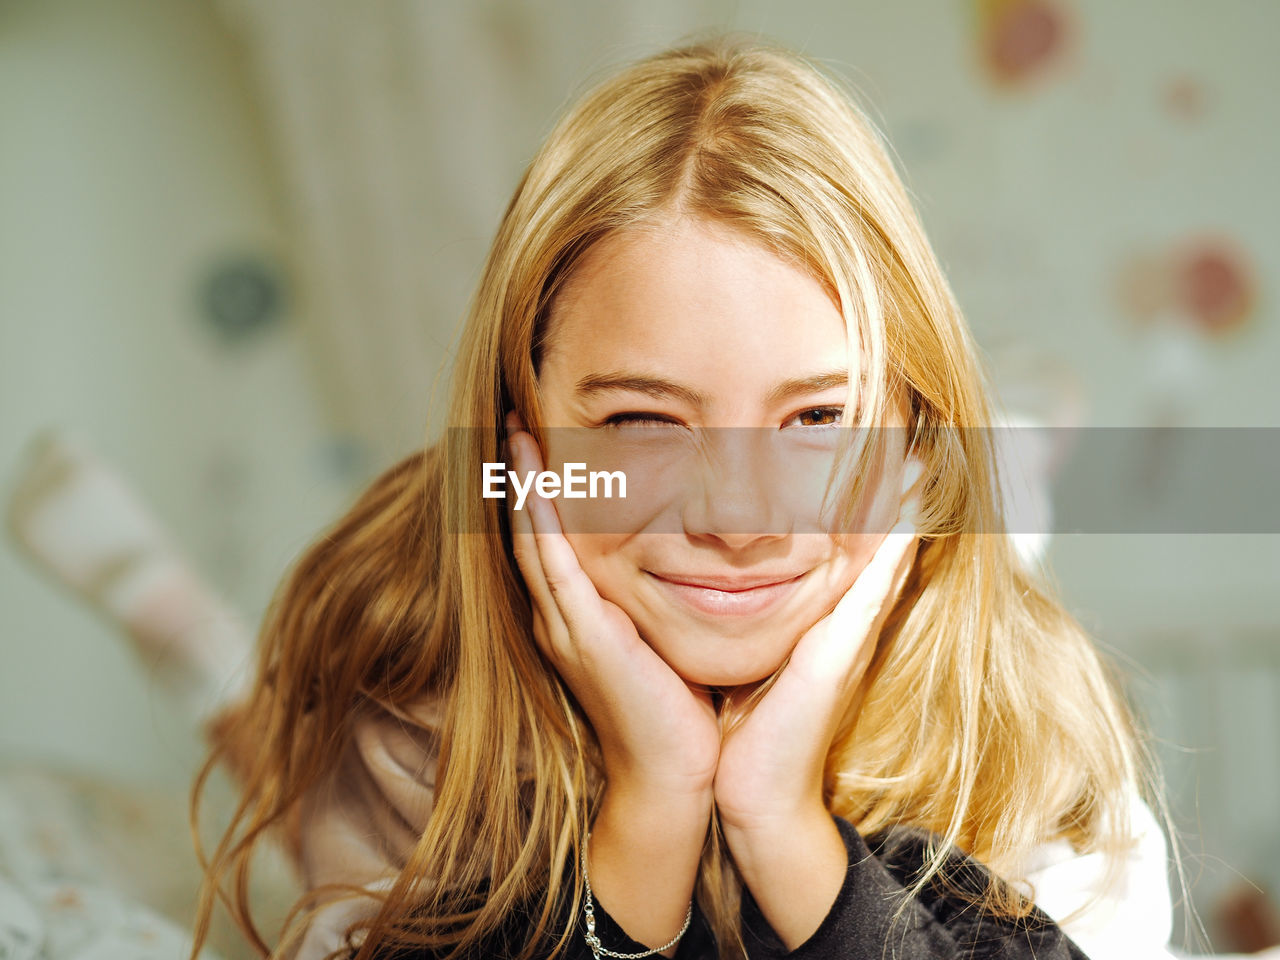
[
  {"x": 769, "y": 781},
  {"x": 771, "y": 764}
]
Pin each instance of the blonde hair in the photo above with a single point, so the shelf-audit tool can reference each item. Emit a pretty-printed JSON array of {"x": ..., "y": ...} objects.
[{"x": 990, "y": 719}]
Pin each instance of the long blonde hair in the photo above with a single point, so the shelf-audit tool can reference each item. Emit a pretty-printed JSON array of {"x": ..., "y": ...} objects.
[{"x": 990, "y": 720}]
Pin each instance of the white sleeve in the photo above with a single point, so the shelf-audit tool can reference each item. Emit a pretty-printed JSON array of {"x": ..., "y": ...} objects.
[{"x": 1133, "y": 920}]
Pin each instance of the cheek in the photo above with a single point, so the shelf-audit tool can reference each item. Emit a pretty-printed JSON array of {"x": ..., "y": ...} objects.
[
  {"x": 600, "y": 557},
  {"x": 877, "y": 514},
  {"x": 856, "y": 552},
  {"x": 616, "y": 570},
  {"x": 847, "y": 557},
  {"x": 880, "y": 503},
  {"x": 623, "y": 488}
]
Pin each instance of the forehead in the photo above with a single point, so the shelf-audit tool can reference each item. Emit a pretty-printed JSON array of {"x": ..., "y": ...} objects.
[{"x": 693, "y": 296}]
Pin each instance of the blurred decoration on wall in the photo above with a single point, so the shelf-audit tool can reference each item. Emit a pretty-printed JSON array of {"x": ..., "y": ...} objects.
[
  {"x": 242, "y": 296},
  {"x": 1206, "y": 282},
  {"x": 1180, "y": 300},
  {"x": 1186, "y": 98},
  {"x": 1021, "y": 41},
  {"x": 1245, "y": 920}
]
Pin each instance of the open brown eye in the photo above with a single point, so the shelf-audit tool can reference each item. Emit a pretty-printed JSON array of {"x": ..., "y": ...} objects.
[{"x": 820, "y": 417}]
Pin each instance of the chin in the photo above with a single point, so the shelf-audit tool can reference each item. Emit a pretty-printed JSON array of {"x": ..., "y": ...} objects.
[{"x": 717, "y": 661}]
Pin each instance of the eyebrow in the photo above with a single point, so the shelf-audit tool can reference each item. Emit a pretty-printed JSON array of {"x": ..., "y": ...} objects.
[{"x": 664, "y": 389}]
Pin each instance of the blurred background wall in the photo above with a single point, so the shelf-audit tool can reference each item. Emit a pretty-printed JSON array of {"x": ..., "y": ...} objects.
[
  {"x": 237, "y": 239},
  {"x": 134, "y": 173}
]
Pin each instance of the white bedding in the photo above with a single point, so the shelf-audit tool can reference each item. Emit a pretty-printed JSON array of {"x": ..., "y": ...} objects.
[{"x": 95, "y": 871}]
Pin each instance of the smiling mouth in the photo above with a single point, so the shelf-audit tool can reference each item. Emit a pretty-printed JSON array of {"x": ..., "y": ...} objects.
[{"x": 721, "y": 597}]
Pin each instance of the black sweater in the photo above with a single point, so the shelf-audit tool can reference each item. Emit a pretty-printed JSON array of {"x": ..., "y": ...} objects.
[{"x": 863, "y": 923}]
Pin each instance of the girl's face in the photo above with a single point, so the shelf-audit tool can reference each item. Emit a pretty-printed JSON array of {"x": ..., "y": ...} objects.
[{"x": 665, "y": 343}]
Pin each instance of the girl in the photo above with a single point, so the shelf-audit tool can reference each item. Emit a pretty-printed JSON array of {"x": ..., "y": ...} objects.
[{"x": 794, "y": 695}]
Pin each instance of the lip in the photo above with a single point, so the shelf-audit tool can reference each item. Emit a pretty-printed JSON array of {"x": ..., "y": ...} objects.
[{"x": 728, "y": 596}]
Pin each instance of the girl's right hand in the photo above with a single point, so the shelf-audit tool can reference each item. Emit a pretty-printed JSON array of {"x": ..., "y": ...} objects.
[{"x": 658, "y": 736}]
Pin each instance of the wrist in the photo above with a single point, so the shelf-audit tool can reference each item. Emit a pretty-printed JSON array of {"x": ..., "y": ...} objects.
[
  {"x": 758, "y": 813},
  {"x": 643, "y": 858},
  {"x": 669, "y": 823},
  {"x": 761, "y": 834},
  {"x": 645, "y": 788},
  {"x": 591, "y": 936},
  {"x": 793, "y": 868}
]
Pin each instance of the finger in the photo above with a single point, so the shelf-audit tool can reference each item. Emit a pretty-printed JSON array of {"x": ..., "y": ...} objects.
[
  {"x": 550, "y": 632},
  {"x": 522, "y": 539},
  {"x": 524, "y": 546},
  {"x": 846, "y": 636},
  {"x": 876, "y": 587},
  {"x": 908, "y": 526},
  {"x": 568, "y": 586}
]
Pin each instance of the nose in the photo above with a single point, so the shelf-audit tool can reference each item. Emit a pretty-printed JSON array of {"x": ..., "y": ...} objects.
[{"x": 735, "y": 496}]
